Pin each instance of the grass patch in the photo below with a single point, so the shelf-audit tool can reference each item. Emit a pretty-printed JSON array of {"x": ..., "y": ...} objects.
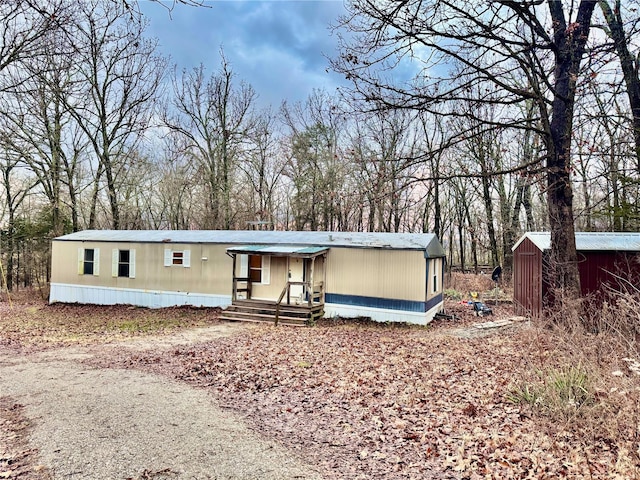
[
  {"x": 453, "y": 294},
  {"x": 580, "y": 385},
  {"x": 558, "y": 393},
  {"x": 145, "y": 324}
]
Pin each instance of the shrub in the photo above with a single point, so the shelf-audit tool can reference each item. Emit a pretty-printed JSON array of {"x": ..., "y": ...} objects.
[
  {"x": 556, "y": 392},
  {"x": 453, "y": 294}
]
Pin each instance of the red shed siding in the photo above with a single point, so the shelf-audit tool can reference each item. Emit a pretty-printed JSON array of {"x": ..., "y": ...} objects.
[
  {"x": 527, "y": 279},
  {"x": 597, "y": 269}
]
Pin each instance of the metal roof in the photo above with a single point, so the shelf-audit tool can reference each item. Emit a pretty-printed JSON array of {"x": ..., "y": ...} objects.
[
  {"x": 279, "y": 250},
  {"x": 590, "y": 241},
  {"x": 426, "y": 242}
]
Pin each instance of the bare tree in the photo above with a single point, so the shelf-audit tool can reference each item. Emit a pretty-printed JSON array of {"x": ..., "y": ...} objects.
[
  {"x": 122, "y": 75},
  {"x": 314, "y": 163},
  {"x": 214, "y": 116},
  {"x": 263, "y": 168},
  {"x": 16, "y": 186},
  {"x": 623, "y": 26},
  {"x": 526, "y": 51},
  {"x": 40, "y": 127},
  {"x": 23, "y": 24},
  {"x": 384, "y": 148},
  {"x": 434, "y": 141},
  {"x": 177, "y": 196}
]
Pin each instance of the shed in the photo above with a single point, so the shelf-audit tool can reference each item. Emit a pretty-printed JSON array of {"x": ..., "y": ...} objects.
[
  {"x": 384, "y": 276},
  {"x": 605, "y": 260}
]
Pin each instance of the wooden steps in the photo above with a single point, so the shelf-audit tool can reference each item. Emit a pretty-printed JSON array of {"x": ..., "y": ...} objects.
[{"x": 263, "y": 311}]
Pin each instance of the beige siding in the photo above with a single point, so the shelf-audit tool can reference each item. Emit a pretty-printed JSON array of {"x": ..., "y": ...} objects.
[
  {"x": 280, "y": 275},
  {"x": 212, "y": 275},
  {"x": 394, "y": 274},
  {"x": 318, "y": 271}
]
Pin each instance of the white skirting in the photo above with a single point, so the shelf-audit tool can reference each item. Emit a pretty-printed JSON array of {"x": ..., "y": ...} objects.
[
  {"x": 66, "y": 293},
  {"x": 381, "y": 314},
  {"x": 143, "y": 298}
]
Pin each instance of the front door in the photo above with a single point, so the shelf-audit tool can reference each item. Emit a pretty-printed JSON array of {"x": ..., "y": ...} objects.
[{"x": 296, "y": 274}]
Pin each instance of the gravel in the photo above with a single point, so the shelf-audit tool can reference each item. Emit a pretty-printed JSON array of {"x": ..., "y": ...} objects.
[{"x": 105, "y": 423}]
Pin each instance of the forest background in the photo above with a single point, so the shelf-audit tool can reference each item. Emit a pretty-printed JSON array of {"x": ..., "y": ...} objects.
[{"x": 522, "y": 116}]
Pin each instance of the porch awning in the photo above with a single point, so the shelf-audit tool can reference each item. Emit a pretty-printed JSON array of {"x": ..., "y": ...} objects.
[{"x": 279, "y": 250}]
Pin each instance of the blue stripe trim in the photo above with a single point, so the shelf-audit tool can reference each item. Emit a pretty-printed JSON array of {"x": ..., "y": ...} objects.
[
  {"x": 432, "y": 302},
  {"x": 375, "y": 302}
]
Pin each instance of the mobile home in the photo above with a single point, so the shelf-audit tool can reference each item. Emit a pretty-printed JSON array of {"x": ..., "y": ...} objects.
[{"x": 385, "y": 276}]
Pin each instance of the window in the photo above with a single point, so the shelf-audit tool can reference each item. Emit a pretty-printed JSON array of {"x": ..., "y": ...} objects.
[
  {"x": 123, "y": 263},
  {"x": 177, "y": 257},
  {"x": 89, "y": 261},
  {"x": 255, "y": 268},
  {"x": 259, "y": 269}
]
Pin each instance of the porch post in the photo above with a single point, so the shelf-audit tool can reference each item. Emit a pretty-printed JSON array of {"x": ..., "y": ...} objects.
[
  {"x": 234, "y": 288},
  {"x": 324, "y": 277},
  {"x": 288, "y": 280},
  {"x": 310, "y": 282}
]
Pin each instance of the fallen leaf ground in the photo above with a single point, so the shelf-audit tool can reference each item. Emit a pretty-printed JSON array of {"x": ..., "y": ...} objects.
[
  {"x": 29, "y": 323},
  {"x": 383, "y": 402},
  {"x": 17, "y": 457},
  {"x": 365, "y": 400}
]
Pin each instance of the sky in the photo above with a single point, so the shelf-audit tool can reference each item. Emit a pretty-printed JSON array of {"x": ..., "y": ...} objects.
[{"x": 279, "y": 47}]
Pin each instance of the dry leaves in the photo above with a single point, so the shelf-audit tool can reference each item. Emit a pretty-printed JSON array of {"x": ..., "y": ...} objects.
[
  {"x": 373, "y": 401},
  {"x": 37, "y": 325},
  {"x": 17, "y": 457}
]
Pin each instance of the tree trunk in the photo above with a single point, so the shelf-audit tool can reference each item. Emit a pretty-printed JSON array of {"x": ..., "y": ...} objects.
[
  {"x": 511, "y": 225},
  {"x": 570, "y": 43},
  {"x": 437, "y": 210},
  {"x": 488, "y": 207},
  {"x": 11, "y": 246},
  {"x": 112, "y": 193}
]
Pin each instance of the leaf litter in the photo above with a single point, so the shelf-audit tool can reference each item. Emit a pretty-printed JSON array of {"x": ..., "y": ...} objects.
[
  {"x": 363, "y": 400},
  {"x": 370, "y": 401}
]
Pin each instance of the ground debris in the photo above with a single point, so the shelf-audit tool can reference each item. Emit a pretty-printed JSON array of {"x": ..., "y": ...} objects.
[
  {"x": 17, "y": 459},
  {"x": 371, "y": 402}
]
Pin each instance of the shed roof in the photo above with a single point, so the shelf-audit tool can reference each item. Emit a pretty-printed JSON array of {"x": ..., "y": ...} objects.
[
  {"x": 426, "y": 242},
  {"x": 590, "y": 241}
]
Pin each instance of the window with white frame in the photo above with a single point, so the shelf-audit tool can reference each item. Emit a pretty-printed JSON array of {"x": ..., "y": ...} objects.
[
  {"x": 123, "y": 263},
  {"x": 179, "y": 258},
  {"x": 89, "y": 261}
]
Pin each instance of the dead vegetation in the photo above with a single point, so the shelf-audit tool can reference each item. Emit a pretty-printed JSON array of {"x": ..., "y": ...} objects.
[
  {"x": 28, "y": 323},
  {"x": 366, "y": 400},
  {"x": 17, "y": 457}
]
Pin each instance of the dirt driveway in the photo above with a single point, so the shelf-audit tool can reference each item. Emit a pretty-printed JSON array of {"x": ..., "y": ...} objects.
[{"x": 104, "y": 423}]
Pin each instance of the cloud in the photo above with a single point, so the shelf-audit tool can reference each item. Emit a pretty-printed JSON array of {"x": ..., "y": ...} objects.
[{"x": 278, "y": 46}]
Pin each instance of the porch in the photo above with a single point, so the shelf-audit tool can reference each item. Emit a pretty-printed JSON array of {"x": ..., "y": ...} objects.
[{"x": 278, "y": 284}]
